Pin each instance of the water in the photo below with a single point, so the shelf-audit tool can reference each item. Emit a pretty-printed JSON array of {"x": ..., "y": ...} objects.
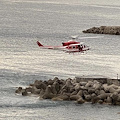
[{"x": 22, "y": 23}]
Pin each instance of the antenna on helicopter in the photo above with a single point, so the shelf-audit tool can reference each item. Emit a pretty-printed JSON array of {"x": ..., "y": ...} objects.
[{"x": 117, "y": 76}]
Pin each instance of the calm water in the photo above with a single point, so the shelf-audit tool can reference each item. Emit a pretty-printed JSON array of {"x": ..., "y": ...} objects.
[{"x": 22, "y": 23}]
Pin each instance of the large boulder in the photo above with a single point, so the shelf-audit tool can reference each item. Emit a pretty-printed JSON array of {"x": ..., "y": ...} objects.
[
  {"x": 41, "y": 93},
  {"x": 19, "y": 90},
  {"x": 91, "y": 90},
  {"x": 105, "y": 87},
  {"x": 80, "y": 93},
  {"x": 100, "y": 101},
  {"x": 61, "y": 97},
  {"x": 24, "y": 93},
  {"x": 114, "y": 97},
  {"x": 94, "y": 99},
  {"x": 56, "y": 86},
  {"x": 103, "y": 96},
  {"x": 80, "y": 101},
  {"x": 88, "y": 97},
  {"x": 96, "y": 85},
  {"x": 108, "y": 100},
  {"x": 74, "y": 93},
  {"x": 48, "y": 93},
  {"x": 89, "y": 84},
  {"x": 33, "y": 90},
  {"x": 83, "y": 83},
  {"x": 74, "y": 97},
  {"x": 50, "y": 82},
  {"x": 77, "y": 87}
]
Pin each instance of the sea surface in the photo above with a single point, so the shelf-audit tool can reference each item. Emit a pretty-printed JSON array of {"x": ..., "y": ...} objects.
[{"x": 23, "y": 22}]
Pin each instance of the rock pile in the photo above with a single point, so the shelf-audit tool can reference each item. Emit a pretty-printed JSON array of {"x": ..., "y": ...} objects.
[
  {"x": 71, "y": 89},
  {"x": 113, "y": 30}
]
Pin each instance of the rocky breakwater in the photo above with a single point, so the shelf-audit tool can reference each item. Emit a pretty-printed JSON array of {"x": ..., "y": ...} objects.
[
  {"x": 113, "y": 30},
  {"x": 92, "y": 91}
]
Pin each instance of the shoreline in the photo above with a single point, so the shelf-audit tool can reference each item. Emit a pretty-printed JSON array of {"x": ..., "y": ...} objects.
[{"x": 80, "y": 89}]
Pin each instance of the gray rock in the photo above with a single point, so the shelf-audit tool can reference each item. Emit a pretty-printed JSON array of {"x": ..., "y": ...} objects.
[
  {"x": 48, "y": 93},
  {"x": 91, "y": 90},
  {"x": 80, "y": 101},
  {"x": 108, "y": 100},
  {"x": 19, "y": 90},
  {"x": 89, "y": 84},
  {"x": 88, "y": 98},
  {"x": 24, "y": 93},
  {"x": 74, "y": 97},
  {"x": 103, "y": 96},
  {"x": 100, "y": 101}
]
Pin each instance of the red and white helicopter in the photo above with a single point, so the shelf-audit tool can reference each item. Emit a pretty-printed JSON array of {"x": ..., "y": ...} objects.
[{"x": 71, "y": 46}]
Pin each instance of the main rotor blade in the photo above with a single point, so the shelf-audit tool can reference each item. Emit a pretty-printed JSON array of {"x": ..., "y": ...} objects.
[{"x": 90, "y": 37}]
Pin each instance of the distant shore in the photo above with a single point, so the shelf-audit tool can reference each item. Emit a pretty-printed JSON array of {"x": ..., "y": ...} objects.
[
  {"x": 80, "y": 90},
  {"x": 112, "y": 30}
]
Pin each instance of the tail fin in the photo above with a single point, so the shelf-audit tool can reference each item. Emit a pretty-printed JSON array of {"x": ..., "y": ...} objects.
[{"x": 39, "y": 44}]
